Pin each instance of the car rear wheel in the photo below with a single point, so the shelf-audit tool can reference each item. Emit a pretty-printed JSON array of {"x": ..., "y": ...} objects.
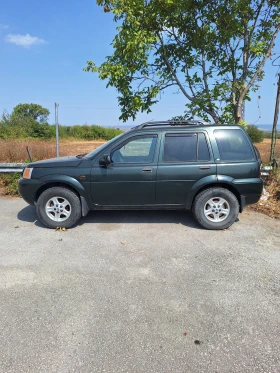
[
  {"x": 58, "y": 207},
  {"x": 216, "y": 208}
]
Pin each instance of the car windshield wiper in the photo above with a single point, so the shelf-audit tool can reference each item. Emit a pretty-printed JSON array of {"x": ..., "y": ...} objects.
[{"x": 81, "y": 155}]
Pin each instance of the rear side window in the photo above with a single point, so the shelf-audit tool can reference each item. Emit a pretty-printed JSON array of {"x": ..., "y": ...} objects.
[
  {"x": 185, "y": 148},
  {"x": 233, "y": 145}
]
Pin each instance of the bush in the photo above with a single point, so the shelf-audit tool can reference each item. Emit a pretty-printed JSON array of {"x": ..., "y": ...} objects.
[
  {"x": 268, "y": 134},
  {"x": 10, "y": 183},
  {"x": 256, "y": 135},
  {"x": 18, "y": 126}
]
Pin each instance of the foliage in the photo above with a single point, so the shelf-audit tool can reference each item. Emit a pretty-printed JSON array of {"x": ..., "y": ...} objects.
[
  {"x": 256, "y": 135},
  {"x": 32, "y": 111},
  {"x": 212, "y": 52},
  {"x": 26, "y": 121},
  {"x": 267, "y": 135},
  {"x": 10, "y": 183}
]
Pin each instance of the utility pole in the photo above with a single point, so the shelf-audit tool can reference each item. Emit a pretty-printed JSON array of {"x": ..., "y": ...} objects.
[
  {"x": 56, "y": 127},
  {"x": 274, "y": 131}
]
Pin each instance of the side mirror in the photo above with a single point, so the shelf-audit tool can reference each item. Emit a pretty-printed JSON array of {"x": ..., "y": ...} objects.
[{"x": 105, "y": 161}]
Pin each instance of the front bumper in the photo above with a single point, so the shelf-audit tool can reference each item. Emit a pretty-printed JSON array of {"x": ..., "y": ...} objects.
[{"x": 28, "y": 189}]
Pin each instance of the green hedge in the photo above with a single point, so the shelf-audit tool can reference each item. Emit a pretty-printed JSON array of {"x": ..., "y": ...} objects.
[{"x": 18, "y": 127}]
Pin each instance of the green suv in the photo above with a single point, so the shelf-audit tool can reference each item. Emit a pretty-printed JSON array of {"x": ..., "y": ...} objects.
[{"x": 210, "y": 169}]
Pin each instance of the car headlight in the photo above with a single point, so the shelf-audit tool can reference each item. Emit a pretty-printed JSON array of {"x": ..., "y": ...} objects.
[{"x": 27, "y": 173}]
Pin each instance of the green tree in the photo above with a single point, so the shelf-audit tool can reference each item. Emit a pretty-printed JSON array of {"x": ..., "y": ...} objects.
[
  {"x": 15, "y": 126},
  {"x": 256, "y": 135},
  {"x": 212, "y": 52},
  {"x": 32, "y": 111}
]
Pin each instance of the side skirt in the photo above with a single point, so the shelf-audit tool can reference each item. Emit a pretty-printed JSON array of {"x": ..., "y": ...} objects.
[{"x": 142, "y": 207}]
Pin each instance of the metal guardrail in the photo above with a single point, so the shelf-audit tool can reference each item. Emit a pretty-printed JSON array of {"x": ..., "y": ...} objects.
[{"x": 9, "y": 168}]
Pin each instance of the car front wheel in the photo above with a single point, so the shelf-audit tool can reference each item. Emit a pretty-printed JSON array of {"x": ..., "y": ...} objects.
[
  {"x": 58, "y": 207},
  {"x": 216, "y": 208}
]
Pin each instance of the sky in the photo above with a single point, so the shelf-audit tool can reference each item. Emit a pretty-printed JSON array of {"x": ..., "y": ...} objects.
[{"x": 44, "y": 46}]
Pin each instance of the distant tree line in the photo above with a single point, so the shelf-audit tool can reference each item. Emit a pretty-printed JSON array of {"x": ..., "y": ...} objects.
[{"x": 31, "y": 121}]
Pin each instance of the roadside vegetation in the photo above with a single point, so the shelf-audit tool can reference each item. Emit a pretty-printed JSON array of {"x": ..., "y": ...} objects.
[
  {"x": 31, "y": 121},
  {"x": 9, "y": 184},
  {"x": 271, "y": 205}
]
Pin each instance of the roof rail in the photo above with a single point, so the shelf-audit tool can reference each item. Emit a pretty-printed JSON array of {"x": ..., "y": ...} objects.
[{"x": 172, "y": 123}]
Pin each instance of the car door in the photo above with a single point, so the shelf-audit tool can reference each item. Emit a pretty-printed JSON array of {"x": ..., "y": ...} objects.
[
  {"x": 185, "y": 159},
  {"x": 129, "y": 180}
]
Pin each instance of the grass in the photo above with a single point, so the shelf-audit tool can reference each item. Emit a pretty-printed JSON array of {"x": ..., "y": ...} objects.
[
  {"x": 12, "y": 151},
  {"x": 264, "y": 149},
  {"x": 9, "y": 184},
  {"x": 271, "y": 206}
]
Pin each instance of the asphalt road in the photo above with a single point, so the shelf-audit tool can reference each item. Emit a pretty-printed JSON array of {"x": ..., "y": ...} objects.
[{"x": 138, "y": 292}]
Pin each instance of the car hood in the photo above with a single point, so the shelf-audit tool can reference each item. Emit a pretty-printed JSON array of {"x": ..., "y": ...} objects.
[{"x": 72, "y": 161}]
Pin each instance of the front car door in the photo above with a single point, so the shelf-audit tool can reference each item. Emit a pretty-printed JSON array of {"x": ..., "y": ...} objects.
[
  {"x": 129, "y": 180},
  {"x": 185, "y": 162}
]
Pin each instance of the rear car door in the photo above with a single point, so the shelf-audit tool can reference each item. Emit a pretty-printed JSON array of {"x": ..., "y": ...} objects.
[
  {"x": 238, "y": 163},
  {"x": 185, "y": 160}
]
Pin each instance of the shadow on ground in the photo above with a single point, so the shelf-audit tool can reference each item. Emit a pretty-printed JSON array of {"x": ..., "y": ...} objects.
[{"x": 28, "y": 214}]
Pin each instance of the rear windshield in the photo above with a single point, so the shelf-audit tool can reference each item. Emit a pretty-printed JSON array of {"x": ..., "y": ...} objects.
[{"x": 233, "y": 145}]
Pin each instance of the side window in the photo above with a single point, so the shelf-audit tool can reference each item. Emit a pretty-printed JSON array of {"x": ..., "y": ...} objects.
[
  {"x": 233, "y": 145},
  {"x": 137, "y": 150},
  {"x": 181, "y": 147},
  {"x": 202, "y": 148}
]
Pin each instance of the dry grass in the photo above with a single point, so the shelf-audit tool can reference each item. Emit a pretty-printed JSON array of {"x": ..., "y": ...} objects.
[
  {"x": 15, "y": 150},
  {"x": 264, "y": 149},
  {"x": 271, "y": 206}
]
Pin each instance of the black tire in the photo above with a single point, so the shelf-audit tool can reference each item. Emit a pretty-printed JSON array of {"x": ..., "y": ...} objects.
[
  {"x": 225, "y": 212},
  {"x": 66, "y": 198}
]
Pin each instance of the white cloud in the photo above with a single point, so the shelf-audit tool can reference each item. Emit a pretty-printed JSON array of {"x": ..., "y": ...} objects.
[
  {"x": 3, "y": 27},
  {"x": 25, "y": 41}
]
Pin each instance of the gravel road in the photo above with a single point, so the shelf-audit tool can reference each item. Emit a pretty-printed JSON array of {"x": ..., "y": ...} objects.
[{"x": 138, "y": 292}]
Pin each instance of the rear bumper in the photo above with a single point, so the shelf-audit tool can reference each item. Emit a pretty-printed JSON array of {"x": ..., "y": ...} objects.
[
  {"x": 250, "y": 191},
  {"x": 248, "y": 200},
  {"x": 28, "y": 188}
]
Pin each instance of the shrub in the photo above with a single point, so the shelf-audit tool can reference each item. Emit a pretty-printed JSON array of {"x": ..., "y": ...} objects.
[
  {"x": 10, "y": 183},
  {"x": 255, "y": 134}
]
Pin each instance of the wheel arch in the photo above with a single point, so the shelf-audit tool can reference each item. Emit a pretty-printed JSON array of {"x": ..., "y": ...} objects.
[
  {"x": 52, "y": 184},
  {"x": 220, "y": 185}
]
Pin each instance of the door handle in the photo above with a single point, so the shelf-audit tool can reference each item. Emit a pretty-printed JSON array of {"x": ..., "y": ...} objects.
[
  {"x": 147, "y": 170},
  {"x": 204, "y": 167}
]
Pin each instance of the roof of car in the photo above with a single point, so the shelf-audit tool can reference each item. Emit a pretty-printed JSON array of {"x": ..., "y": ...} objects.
[{"x": 176, "y": 123}]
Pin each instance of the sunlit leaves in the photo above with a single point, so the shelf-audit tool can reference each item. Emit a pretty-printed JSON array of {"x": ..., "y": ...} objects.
[{"x": 212, "y": 51}]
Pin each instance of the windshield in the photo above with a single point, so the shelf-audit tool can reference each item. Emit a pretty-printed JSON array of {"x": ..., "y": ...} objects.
[{"x": 101, "y": 147}]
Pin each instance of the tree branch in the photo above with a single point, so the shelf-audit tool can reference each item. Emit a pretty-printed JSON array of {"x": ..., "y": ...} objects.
[
  {"x": 173, "y": 71},
  {"x": 253, "y": 79}
]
